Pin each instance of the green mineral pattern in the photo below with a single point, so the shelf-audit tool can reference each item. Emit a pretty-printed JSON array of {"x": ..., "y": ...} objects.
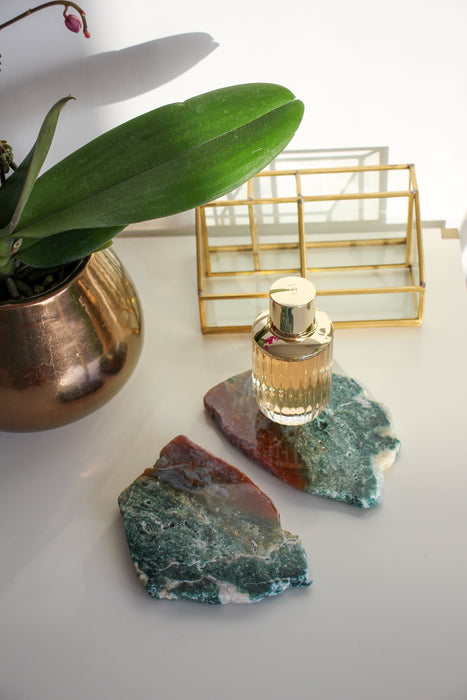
[{"x": 198, "y": 528}]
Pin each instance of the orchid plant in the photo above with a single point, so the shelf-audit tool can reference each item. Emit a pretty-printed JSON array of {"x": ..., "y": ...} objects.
[{"x": 181, "y": 156}]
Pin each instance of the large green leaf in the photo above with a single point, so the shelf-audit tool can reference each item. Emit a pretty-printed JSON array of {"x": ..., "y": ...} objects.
[
  {"x": 166, "y": 161},
  {"x": 65, "y": 247},
  {"x": 17, "y": 188}
]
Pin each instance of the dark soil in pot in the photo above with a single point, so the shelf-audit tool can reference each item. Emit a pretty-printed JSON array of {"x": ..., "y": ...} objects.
[{"x": 29, "y": 282}]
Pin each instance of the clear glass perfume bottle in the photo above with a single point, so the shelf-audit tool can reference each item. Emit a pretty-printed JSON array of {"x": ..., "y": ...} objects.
[{"x": 292, "y": 354}]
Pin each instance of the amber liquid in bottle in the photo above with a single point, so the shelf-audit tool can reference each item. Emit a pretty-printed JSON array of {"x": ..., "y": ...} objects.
[
  {"x": 292, "y": 382},
  {"x": 292, "y": 354}
]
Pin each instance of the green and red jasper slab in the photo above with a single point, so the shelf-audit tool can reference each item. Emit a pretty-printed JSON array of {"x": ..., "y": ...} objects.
[
  {"x": 198, "y": 528},
  {"x": 341, "y": 454}
]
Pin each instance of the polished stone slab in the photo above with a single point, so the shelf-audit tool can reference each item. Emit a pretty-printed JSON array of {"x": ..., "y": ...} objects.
[
  {"x": 341, "y": 454},
  {"x": 198, "y": 528}
]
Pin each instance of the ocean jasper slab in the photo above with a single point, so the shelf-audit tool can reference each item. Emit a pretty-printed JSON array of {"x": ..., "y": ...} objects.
[
  {"x": 341, "y": 454},
  {"x": 198, "y": 528}
]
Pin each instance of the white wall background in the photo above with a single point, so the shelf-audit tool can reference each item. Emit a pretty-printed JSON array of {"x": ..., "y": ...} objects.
[{"x": 370, "y": 74}]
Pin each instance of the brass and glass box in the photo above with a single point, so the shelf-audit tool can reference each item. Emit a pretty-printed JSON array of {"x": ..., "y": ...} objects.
[{"x": 351, "y": 224}]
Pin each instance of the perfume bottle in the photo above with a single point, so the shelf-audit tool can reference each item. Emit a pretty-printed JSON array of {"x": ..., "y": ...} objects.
[{"x": 292, "y": 354}]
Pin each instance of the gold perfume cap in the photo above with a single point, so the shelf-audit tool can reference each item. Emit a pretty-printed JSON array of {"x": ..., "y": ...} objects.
[{"x": 292, "y": 305}]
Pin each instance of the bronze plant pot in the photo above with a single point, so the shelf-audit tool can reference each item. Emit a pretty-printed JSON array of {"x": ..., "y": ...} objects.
[{"x": 66, "y": 353}]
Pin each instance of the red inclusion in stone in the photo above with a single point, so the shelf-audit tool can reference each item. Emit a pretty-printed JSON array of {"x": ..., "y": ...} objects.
[
  {"x": 233, "y": 407},
  {"x": 190, "y": 468}
]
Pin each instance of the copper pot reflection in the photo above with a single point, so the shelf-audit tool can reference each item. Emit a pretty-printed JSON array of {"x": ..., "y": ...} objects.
[{"x": 66, "y": 353}]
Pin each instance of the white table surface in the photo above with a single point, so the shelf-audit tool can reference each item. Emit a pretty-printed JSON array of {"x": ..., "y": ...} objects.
[{"x": 386, "y": 616}]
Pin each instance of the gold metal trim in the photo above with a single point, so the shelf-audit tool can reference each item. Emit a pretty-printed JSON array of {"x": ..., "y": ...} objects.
[
  {"x": 412, "y": 240},
  {"x": 449, "y": 233}
]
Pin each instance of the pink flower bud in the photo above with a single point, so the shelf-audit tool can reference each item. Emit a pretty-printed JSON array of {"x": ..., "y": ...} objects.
[{"x": 73, "y": 23}]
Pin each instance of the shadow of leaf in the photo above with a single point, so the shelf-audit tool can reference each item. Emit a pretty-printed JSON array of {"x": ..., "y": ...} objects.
[{"x": 114, "y": 76}]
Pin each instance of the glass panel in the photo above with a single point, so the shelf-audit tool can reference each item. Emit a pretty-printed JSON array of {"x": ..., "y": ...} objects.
[
  {"x": 349, "y": 308},
  {"x": 351, "y": 243}
]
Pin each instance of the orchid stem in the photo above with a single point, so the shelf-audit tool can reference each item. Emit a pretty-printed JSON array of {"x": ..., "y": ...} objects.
[{"x": 49, "y": 4}]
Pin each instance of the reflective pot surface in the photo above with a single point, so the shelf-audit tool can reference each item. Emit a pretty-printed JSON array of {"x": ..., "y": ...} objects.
[{"x": 66, "y": 353}]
